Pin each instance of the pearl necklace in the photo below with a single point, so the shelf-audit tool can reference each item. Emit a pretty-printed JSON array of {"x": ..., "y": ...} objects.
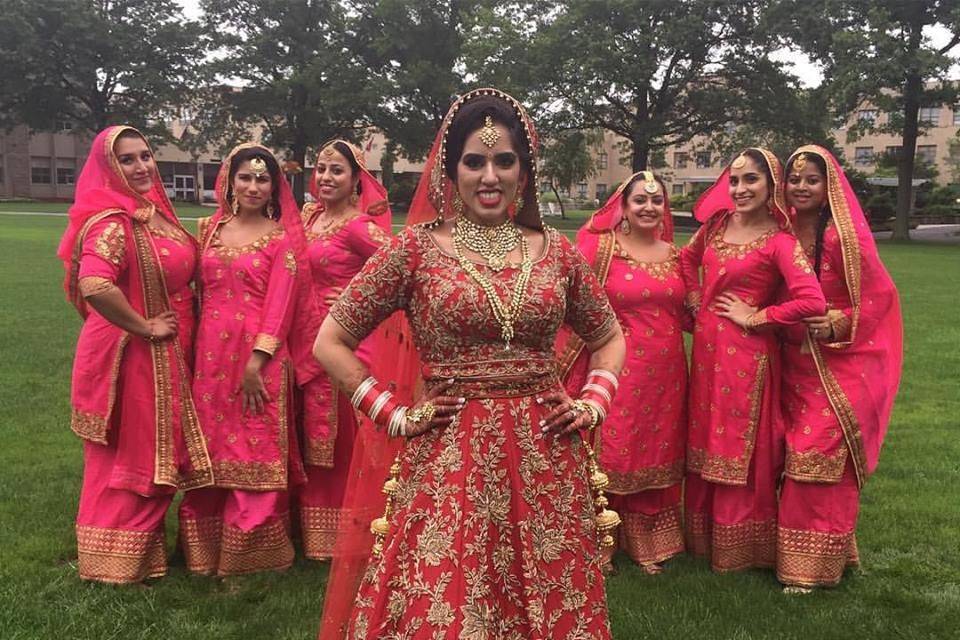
[
  {"x": 506, "y": 316},
  {"x": 493, "y": 243}
]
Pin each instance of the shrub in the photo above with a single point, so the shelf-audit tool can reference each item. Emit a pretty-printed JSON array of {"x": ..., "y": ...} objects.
[{"x": 880, "y": 206}]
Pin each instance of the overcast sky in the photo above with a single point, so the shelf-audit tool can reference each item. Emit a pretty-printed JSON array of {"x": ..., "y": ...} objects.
[{"x": 799, "y": 63}]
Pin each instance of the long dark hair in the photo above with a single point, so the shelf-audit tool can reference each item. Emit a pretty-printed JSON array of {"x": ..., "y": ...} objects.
[
  {"x": 273, "y": 167},
  {"x": 345, "y": 151},
  {"x": 825, "y": 212}
]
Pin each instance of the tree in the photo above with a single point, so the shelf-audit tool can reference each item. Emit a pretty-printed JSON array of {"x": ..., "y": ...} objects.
[
  {"x": 95, "y": 63},
  {"x": 878, "y": 53},
  {"x": 297, "y": 75},
  {"x": 567, "y": 159},
  {"x": 413, "y": 54},
  {"x": 656, "y": 73}
]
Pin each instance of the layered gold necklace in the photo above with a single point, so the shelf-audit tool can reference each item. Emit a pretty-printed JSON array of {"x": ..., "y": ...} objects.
[
  {"x": 493, "y": 243},
  {"x": 469, "y": 235}
]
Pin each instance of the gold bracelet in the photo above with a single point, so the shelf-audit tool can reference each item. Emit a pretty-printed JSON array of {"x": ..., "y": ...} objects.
[{"x": 586, "y": 407}]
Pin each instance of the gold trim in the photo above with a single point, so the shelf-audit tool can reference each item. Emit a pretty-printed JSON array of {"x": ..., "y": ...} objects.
[
  {"x": 816, "y": 466},
  {"x": 118, "y": 555},
  {"x": 266, "y": 343},
  {"x": 814, "y": 558}
]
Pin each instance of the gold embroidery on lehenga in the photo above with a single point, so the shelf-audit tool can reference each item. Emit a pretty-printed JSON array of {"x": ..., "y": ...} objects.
[
  {"x": 816, "y": 466},
  {"x": 111, "y": 243},
  {"x": 94, "y": 285},
  {"x": 118, "y": 555},
  {"x": 814, "y": 558}
]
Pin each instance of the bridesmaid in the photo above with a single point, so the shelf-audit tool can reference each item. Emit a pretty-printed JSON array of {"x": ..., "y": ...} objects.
[
  {"x": 735, "y": 443},
  {"x": 641, "y": 445},
  {"x": 252, "y": 251},
  {"x": 841, "y": 371},
  {"x": 129, "y": 266},
  {"x": 347, "y": 223}
]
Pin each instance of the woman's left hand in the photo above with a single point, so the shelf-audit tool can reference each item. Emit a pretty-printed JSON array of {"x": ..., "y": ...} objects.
[
  {"x": 254, "y": 392},
  {"x": 819, "y": 327},
  {"x": 564, "y": 417},
  {"x": 332, "y": 295},
  {"x": 730, "y": 306}
]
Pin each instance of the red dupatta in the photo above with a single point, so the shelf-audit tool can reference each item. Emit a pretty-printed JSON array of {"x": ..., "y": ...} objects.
[
  {"x": 307, "y": 317},
  {"x": 596, "y": 240},
  {"x": 373, "y": 451},
  {"x": 861, "y": 374}
]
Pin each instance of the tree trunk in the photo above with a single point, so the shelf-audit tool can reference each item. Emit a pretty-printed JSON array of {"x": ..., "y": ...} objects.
[
  {"x": 299, "y": 150},
  {"x": 640, "y": 153},
  {"x": 908, "y": 150},
  {"x": 553, "y": 186}
]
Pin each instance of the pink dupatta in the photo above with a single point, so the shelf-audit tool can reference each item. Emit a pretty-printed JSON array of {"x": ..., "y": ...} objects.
[{"x": 861, "y": 374}]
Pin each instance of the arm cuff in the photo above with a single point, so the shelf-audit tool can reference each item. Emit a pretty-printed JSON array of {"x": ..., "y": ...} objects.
[
  {"x": 94, "y": 285},
  {"x": 266, "y": 343}
]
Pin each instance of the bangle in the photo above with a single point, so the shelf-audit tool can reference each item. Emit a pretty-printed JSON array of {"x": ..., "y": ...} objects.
[
  {"x": 596, "y": 388},
  {"x": 584, "y": 406},
  {"x": 606, "y": 375},
  {"x": 378, "y": 405},
  {"x": 397, "y": 425},
  {"x": 362, "y": 390}
]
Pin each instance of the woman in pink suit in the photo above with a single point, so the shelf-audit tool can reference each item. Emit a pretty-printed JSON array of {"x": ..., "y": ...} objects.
[
  {"x": 252, "y": 252},
  {"x": 735, "y": 443},
  {"x": 347, "y": 223},
  {"x": 841, "y": 371},
  {"x": 129, "y": 268},
  {"x": 641, "y": 445}
]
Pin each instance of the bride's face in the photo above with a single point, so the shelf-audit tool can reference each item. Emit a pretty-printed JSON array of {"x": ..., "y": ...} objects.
[{"x": 488, "y": 176}]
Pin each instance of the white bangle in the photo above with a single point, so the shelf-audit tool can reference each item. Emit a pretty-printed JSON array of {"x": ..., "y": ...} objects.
[
  {"x": 596, "y": 388},
  {"x": 378, "y": 404},
  {"x": 397, "y": 425},
  {"x": 603, "y": 373},
  {"x": 361, "y": 391}
]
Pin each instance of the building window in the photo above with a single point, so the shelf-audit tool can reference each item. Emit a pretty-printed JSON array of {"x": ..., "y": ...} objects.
[
  {"x": 893, "y": 152},
  {"x": 582, "y": 190},
  {"x": 956, "y": 114},
  {"x": 867, "y": 115},
  {"x": 66, "y": 171},
  {"x": 929, "y": 115},
  {"x": 863, "y": 156},
  {"x": 677, "y": 189},
  {"x": 64, "y": 126},
  {"x": 703, "y": 160},
  {"x": 40, "y": 171},
  {"x": 601, "y": 190},
  {"x": 602, "y": 160},
  {"x": 680, "y": 159},
  {"x": 927, "y": 153}
]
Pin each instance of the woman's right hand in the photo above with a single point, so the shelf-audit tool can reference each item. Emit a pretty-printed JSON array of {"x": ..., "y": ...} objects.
[
  {"x": 446, "y": 407},
  {"x": 332, "y": 295},
  {"x": 162, "y": 327}
]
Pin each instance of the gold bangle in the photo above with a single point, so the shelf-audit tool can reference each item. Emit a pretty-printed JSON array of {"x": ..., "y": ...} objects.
[{"x": 586, "y": 407}]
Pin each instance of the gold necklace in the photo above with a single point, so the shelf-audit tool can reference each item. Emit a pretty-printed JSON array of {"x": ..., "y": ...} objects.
[
  {"x": 505, "y": 316},
  {"x": 493, "y": 243}
]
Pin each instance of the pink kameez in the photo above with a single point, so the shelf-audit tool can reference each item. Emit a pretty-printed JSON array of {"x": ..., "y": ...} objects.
[
  {"x": 735, "y": 442},
  {"x": 131, "y": 397},
  {"x": 249, "y": 294},
  {"x": 329, "y": 422}
]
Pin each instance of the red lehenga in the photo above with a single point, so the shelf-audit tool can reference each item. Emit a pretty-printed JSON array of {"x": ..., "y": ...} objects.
[
  {"x": 735, "y": 441},
  {"x": 249, "y": 298},
  {"x": 642, "y": 444},
  {"x": 329, "y": 425},
  {"x": 837, "y": 396},
  {"x": 130, "y": 398},
  {"x": 492, "y": 532}
]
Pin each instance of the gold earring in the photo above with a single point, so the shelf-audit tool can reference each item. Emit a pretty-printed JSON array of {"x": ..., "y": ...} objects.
[
  {"x": 354, "y": 198},
  {"x": 518, "y": 204},
  {"x": 234, "y": 204},
  {"x": 457, "y": 204},
  {"x": 625, "y": 227},
  {"x": 270, "y": 210}
]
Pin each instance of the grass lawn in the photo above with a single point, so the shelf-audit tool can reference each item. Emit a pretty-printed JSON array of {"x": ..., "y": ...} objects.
[{"x": 909, "y": 533}]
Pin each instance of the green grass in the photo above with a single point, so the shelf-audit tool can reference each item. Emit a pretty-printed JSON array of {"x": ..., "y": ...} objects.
[{"x": 909, "y": 532}]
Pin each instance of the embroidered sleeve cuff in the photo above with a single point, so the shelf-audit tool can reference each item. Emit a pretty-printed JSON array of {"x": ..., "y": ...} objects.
[
  {"x": 840, "y": 325},
  {"x": 94, "y": 285},
  {"x": 266, "y": 343},
  {"x": 758, "y": 320}
]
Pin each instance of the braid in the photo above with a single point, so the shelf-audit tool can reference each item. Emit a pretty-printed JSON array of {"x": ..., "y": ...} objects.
[{"x": 822, "y": 220}]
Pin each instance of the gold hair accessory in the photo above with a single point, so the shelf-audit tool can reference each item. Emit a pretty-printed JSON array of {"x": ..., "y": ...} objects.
[
  {"x": 488, "y": 134},
  {"x": 649, "y": 184},
  {"x": 799, "y": 162},
  {"x": 329, "y": 151},
  {"x": 739, "y": 162},
  {"x": 258, "y": 167}
]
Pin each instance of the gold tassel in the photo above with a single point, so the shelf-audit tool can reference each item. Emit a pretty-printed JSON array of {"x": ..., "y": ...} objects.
[
  {"x": 381, "y": 526},
  {"x": 607, "y": 519}
]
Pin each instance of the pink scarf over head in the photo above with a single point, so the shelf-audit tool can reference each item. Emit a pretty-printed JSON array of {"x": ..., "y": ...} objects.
[
  {"x": 307, "y": 316},
  {"x": 860, "y": 375},
  {"x": 102, "y": 187},
  {"x": 373, "y": 195},
  {"x": 716, "y": 200}
]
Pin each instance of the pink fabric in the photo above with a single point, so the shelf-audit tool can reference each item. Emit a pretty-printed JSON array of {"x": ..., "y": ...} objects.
[
  {"x": 867, "y": 363},
  {"x": 641, "y": 444}
]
